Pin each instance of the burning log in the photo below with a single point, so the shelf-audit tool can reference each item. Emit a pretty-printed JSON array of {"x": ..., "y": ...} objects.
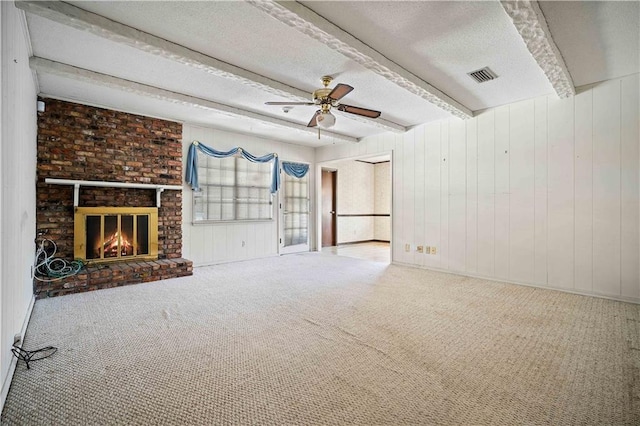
[{"x": 110, "y": 246}]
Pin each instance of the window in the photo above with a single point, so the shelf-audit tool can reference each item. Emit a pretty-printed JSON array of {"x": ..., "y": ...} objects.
[
  {"x": 296, "y": 210},
  {"x": 232, "y": 189}
]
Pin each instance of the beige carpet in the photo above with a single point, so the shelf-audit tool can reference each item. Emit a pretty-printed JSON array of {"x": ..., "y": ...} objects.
[{"x": 319, "y": 339}]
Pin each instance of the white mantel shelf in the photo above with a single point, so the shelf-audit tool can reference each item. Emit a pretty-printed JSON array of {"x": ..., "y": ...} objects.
[{"x": 78, "y": 183}]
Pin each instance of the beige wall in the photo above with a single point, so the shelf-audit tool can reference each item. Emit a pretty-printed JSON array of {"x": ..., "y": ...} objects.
[
  {"x": 363, "y": 189},
  {"x": 382, "y": 201},
  {"x": 355, "y": 196}
]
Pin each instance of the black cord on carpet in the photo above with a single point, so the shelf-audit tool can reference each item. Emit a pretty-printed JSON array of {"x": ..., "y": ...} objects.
[{"x": 29, "y": 356}]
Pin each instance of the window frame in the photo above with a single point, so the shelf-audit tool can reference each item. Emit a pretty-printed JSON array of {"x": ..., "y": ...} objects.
[
  {"x": 203, "y": 163},
  {"x": 289, "y": 201}
]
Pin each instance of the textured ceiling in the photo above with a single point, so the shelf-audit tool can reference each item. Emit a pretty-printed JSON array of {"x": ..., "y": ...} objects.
[
  {"x": 598, "y": 40},
  {"x": 441, "y": 42},
  {"x": 432, "y": 44}
]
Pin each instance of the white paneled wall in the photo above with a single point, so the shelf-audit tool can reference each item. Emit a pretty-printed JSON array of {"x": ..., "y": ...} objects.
[
  {"x": 542, "y": 192},
  {"x": 17, "y": 180},
  {"x": 207, "y": 244}
]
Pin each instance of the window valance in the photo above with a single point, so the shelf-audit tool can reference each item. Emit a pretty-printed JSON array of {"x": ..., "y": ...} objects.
[
  {"x": 297, "y": 170},
  {"x": 191, "y": 175}
]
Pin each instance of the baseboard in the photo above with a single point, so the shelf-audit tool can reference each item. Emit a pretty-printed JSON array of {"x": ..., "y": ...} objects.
[
  {"x": 363, "y": 241},
  {"x": 544, "y": 287},
  {"x": 14, "y": 361},
  {"x": 221, "y": 262}
]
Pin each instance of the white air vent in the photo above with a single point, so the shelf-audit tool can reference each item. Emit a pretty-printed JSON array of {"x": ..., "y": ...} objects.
[{"x": 482, "y": 75}]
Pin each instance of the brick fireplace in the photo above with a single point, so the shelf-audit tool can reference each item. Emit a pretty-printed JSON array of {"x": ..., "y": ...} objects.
[{"x": 81, "y": 142}]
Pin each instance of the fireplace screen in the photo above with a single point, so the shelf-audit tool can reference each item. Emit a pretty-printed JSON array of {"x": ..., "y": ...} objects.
[{"x": 111, "y": 233}]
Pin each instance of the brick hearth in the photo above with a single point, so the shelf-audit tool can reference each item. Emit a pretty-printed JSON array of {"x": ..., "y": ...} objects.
[
  {"x": 86, "y": 143},
  {"x": 109, "y": 275}
]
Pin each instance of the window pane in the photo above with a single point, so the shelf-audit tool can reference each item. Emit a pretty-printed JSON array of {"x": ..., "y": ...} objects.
[
  {"x": 232, "y": 189},
  {"x": 296, "y": 216}
]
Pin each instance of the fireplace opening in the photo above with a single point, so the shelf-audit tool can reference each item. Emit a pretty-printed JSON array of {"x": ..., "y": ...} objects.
[{"x": 111, "y": 233}]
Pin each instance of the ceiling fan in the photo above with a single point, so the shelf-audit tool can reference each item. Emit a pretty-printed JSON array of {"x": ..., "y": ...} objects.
[{"x": 328, "y": 98}]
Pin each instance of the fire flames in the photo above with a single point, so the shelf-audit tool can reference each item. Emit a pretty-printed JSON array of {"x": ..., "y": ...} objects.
[{"x": 111, "y": 245}]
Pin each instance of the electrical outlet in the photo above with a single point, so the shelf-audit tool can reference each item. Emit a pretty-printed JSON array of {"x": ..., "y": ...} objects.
[
  {"x": 427, "y": 250},
  {"x": 433, "y": 250},
  {"x": 407, "y": 247},
  {"x": 419, "y": 249}
]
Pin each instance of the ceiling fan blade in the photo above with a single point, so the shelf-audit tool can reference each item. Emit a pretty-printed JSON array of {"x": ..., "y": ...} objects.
[
  {"x": 313, "y": 122},
  {"x": 289, "y": 103},
  {"x": 359, "y": 111},
  {"x": 340, "y": 91}
]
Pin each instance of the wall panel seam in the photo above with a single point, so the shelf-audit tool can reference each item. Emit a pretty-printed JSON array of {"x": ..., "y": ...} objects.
[
  {"x": 592, "y": 207},
  {"x": 546, "y": 251},
  {"x": 535, "y": 198},
  {"x": 573, "y": 99},
  {"x": 466, "y": 212},
  {"x": 449, "y": 195},
  {"x": 509, "y": 203},
  {"x": 621, "y": 167},
  {"x": 477, "y": 189}
]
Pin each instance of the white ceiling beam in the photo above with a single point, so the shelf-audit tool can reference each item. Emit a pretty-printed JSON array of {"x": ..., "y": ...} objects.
[
  {"x": 46, "y": 66},
  {"x": 315, "y": 26},
  {"x": 532, "y": 27},
  {"x": 83, "y": 20}
]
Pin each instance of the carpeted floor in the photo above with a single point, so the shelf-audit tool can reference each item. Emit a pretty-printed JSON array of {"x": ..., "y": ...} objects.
[{"x": 320, "y": 339}]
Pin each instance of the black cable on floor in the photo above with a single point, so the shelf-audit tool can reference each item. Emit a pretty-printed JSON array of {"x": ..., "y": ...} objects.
[{"x": 29, "y": 356}]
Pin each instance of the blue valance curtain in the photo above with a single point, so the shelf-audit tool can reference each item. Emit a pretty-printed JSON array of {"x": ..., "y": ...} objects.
[
  {"x": 297, "y": 170},
  {"x": 191, "y": 175}
]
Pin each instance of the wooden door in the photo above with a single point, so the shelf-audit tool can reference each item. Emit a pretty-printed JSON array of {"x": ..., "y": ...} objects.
[{"x": 328, "y": 208}]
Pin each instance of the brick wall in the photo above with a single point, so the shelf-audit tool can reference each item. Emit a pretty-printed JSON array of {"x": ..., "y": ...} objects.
[{"x": 82, "y": 142}]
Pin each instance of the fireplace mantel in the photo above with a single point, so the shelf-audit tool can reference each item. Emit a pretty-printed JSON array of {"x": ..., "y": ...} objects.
[{"x": 78, "y": 183}]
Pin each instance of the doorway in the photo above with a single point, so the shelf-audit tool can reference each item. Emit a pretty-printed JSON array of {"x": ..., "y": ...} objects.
[
  {"x": 354, "y": 212},
  {"x": 295, "y": 213},
  {"x": 329, "y": 179}
]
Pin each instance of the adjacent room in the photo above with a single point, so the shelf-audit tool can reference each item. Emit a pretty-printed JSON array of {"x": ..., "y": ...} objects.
[
  {"x": 355, "y": 208},
  {"x": 319, "y": 212}
]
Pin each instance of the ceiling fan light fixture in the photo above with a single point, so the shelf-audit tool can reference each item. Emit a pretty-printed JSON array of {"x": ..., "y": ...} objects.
[
  {"x": 326, "y": 120},
  {"x": 327, "y": 98}
]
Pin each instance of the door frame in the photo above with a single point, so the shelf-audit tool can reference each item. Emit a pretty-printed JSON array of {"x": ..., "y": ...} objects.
[
  {"x": 331, "y": 165},
  {"x": 282, "y": 249}
]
